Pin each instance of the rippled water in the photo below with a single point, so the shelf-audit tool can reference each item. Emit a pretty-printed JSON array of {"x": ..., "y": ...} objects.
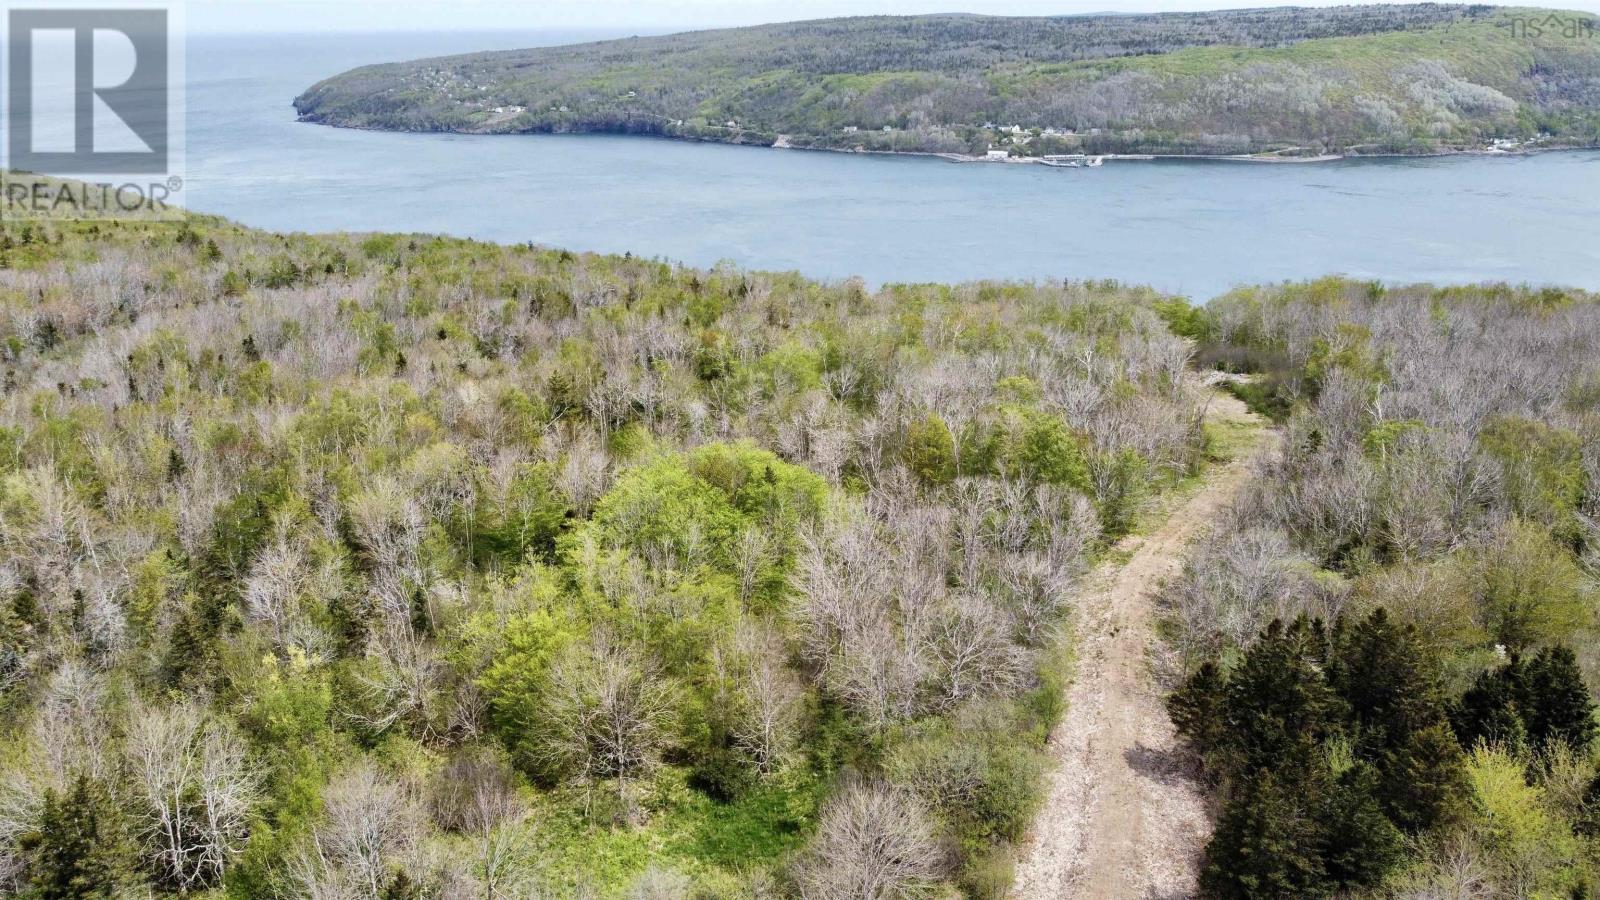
[{"x": 1194, "y": 227}]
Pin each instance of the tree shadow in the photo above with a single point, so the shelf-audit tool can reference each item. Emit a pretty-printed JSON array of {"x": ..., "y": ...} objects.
[{"x": 1169, "y": 767}]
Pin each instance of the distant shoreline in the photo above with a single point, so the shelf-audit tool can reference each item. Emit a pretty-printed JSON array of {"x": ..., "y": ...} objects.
[{"x": 781, "y": 142}]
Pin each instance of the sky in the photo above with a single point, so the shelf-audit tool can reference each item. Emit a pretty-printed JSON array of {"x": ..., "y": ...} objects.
[{"x": 212, "y": 16}]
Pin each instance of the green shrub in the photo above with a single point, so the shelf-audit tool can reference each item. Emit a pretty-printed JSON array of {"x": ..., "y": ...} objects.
[
  {"x": 983, "y": 781},
  {"x": 1532, "y": 591},
  {"x": 1045, "y": 451},
  {"x": 930, "y": 451}
]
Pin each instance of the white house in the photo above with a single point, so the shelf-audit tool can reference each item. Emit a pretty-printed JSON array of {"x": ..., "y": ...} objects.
[{"x": 997, "y": 154}]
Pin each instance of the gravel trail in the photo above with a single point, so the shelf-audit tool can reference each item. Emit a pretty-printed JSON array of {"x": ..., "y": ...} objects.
[{"x": 1124, "y": 816}]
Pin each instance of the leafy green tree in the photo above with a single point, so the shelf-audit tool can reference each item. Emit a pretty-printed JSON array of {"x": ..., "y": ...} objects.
[
  {"x": 82, "y": 849},
  {"x": 1047, "y": 451},
  {"x": 760, "y": 486},
  {"x": 1532, "y": 588},
  {"x": 515, "y": 683},
  {"x": 930, "y": 451},
  {"x": 692, "y": 509},
  {"x": 1542, "y": 465},
  {"x": 1519, "y": 827}
]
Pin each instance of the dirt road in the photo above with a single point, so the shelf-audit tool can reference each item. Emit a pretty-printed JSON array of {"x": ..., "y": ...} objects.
[{"x": 1123, "y": 817}]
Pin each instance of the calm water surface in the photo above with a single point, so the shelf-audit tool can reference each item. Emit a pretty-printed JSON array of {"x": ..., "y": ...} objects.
[{"x": 1193, "y": 227}]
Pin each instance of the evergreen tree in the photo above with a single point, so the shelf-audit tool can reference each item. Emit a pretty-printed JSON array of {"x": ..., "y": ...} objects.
[
  {"x": 1425, "y": 782},
  {"x": 400, "y": 886},
  {"x": 1559, "y": 706},
  {"x": 1491, "y": 710},
  {"x": 1197, "y": 708},
  {"x": 1278, "y": 698},
  {"x": 1266, "y": 843},
  {"x": 1389, "y": 680},
  {"x": 1529, "y": 704},
  {"x": 82, "y": 850},
  {"x": 1359, "y": 845}
]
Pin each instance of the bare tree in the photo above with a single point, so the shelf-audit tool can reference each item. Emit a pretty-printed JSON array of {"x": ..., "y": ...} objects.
[
  {"x": 389, "y": 524},
  {"x": 1237, "y": 580},
  {"x": 767, "y": 721},
  {"x": 282, "y": 580},
  {"x": 657, "y": 883},
  {"x": 855, "y": 635},
  {"x": 605, "y": 716},
  {"x": 873, "y": 842},
  {"x": 971, "y": 640},
  {"x": 370, "y": 824},
  {"x": 401, "y": 682},
  {"x": 194, "y": 789},
  {"x": 477, "y": 794}
]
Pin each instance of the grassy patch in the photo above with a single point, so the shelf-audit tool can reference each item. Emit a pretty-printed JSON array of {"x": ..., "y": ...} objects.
[{"x": 717, "y": 844}]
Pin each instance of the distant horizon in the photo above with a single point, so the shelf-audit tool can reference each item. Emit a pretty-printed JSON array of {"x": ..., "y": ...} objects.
[{"x": 652, "y": 17}]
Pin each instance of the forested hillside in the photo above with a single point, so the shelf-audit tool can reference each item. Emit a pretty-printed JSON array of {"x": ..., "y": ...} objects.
[
  {"x": 1387, "y": 648},
  {"x": 1392, "y": 78},
  {"x": 395, "y": 567}
]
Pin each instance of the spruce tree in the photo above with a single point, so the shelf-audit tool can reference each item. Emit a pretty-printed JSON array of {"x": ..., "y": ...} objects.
[
  {"x": 1490, "y": 712},
  {"x": 1559, "y": 707},
  {"x": 1389, "y": 680},
  {"x": 1279, "y": 698},
  {"x": 1197, "y": 708},
  {"x": 1267, "y": 842},
  {"x": 1425, "y": 781},
  {"x": 1530, "y": 704},
  {"x": 82, "y": 850},
  {"x": 1358, "y": 844}
]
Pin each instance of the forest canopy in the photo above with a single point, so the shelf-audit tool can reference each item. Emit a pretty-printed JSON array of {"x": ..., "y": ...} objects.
[
  {"x": 404, "y": 566},
  {"x": 372, "y": 566},
  {"x": 1387, "y": 649}
]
